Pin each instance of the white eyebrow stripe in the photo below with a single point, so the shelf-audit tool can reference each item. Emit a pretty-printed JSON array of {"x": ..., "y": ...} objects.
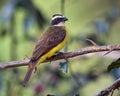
[{"x": 56, "y": 17}]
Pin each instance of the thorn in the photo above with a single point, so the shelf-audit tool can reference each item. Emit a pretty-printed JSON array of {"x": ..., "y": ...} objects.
[
  {"x": 92, "y": 42},
  {"x": 108, "y": 52}
]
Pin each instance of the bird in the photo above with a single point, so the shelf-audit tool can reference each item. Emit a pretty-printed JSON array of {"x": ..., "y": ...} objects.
[{"x": 49, "y": 44}]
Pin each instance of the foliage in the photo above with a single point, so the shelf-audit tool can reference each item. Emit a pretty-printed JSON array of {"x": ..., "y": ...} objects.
[
  {"x": 95, "y": 19},
  {"x": 113, "y": 65}
]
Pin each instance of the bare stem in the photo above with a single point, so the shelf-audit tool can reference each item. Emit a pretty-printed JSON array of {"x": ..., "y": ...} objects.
[
  {"x": 109, "y": 89},
  {"x": 82, "y": 51}
]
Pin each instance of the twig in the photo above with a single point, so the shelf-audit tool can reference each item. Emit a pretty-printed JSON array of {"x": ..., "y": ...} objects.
[
  {"x": 110, "y": 89},
  {"x": 92, "y": 42},
  {"x": 71, "y": 54}
]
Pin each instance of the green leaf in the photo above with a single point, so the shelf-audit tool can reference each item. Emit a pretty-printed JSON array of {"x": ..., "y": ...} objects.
[{"x": 113, "y": 65}]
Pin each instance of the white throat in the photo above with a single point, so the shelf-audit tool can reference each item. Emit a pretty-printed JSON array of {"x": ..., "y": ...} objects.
[{"x": 59, "y": 24}]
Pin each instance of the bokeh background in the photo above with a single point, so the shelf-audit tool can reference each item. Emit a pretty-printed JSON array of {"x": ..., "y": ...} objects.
[{"x": 23, "y": 21}]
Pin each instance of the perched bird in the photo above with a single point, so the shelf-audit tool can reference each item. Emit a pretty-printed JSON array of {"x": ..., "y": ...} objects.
[{"x": 50, "y": 43}]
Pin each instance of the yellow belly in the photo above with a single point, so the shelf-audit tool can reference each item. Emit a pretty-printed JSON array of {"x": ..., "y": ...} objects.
[{"x": 52, "y": 51}]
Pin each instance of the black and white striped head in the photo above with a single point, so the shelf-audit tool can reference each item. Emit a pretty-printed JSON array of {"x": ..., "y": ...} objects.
[{"x": 58, "y": 20}]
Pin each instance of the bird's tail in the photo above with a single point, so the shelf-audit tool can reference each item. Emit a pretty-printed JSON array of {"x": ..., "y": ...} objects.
[{"x": 29, "y": 72}]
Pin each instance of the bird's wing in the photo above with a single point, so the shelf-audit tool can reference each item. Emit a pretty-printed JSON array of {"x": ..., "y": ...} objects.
[{"x": 51, "y": 38}]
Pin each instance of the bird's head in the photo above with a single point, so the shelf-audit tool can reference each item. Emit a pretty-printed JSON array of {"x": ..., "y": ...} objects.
[{"x": 58, "y": 20}]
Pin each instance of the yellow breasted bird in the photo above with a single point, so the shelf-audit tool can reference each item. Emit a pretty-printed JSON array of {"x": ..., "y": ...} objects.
[{"x": 50, "y": 43}]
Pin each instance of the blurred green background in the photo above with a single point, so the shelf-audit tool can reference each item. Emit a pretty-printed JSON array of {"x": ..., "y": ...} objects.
[{"x": 23, "y": 21}]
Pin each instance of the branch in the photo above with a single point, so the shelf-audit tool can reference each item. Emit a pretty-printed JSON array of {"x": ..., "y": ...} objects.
[
  {"x": 82, "y": 51},
  {"x": 109, "y": 89}
]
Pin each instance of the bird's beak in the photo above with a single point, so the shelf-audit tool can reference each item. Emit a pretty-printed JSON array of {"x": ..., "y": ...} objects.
[{"x": 65, "y": 19}]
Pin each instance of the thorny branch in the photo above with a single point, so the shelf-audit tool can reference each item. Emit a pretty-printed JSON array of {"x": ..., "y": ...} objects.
[
  {"x": 110, "y": 89},
  {"x": 82, "y": 51}
]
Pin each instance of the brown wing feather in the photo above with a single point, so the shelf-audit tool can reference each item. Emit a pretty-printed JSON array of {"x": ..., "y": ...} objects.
[{"x": 50, "y": 39}]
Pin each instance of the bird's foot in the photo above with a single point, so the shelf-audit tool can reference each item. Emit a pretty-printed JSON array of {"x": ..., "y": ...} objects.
[{"x": 62, "y": 53}]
